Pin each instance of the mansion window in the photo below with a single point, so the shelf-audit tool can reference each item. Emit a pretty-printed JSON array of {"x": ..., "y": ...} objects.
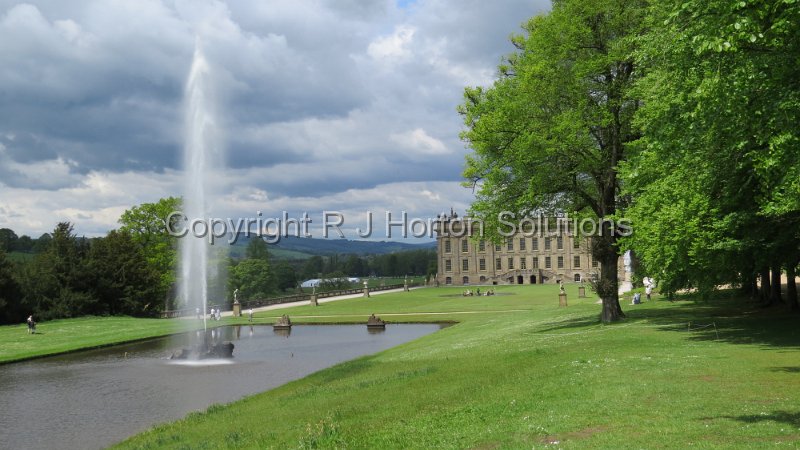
[
  {"x": 576, "y": 262},
  {"x": 447, "y": 246},
  {"x": 547, "y": 243},
  {"x": 510, "y": 263},
  {"x": 497, "y": 247},
  {"x": 510, "y": 244},
  {"x": 594, "y": 262},
  {"x": 497, "y": 264},
  {"x": 448, "y": 265},
  {"x": 560, "y": 242},
  {"x": 482, "y": 264},
  {"x": 535, "y": 262},
  {"x": 535, "y": 244},
  {"x": 522, "y": 244},
  {"x": 576, "y": 243},
  {"x": 464, "y": 246},
  {"x": 482, "y": 246},
  {"x": 465, "y": 265},
  {"x": 547, "y": 264},
  {"x": 523, "y": 263},
  {"x": 560, "y": 262}
]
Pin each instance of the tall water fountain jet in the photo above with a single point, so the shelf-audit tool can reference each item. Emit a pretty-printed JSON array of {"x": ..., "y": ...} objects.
[{"x": 202, "y": 155}]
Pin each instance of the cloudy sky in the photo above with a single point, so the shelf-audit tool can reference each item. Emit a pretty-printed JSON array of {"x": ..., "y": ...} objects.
[{"x": 345, "y": 105}]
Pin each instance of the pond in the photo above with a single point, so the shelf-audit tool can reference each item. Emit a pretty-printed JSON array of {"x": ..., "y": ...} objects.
[{"x": 94, "y": 398}]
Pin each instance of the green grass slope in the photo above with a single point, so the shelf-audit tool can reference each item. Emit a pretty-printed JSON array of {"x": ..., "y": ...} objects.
[{"x": 519, "y": 372}]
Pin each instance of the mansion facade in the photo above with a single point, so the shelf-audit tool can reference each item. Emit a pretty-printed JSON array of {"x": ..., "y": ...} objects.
[{"x": 523, "y": 258}]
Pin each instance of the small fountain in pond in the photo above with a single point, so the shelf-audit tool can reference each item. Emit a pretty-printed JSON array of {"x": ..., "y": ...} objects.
[{"x": 202, "y": 158}]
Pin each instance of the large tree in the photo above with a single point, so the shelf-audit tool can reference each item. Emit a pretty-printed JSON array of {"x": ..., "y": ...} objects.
[
  {"x": 716, "y": 175},
  {"x": 10, "y": 308},
  {"x": 121, "y": 279},
  {"x": 549, "y": 134},
  {"x": 56, "y": 284},
  {"x": 146, "y": 224}
]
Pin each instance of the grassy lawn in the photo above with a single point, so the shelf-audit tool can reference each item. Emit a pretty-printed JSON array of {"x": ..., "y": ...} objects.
[
  {"x": 533, "y": 376},
  {"x": 59, "y": 336}
]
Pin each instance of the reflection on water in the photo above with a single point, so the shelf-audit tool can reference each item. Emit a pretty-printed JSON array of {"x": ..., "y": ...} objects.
[{"x": 94, "y": 398}]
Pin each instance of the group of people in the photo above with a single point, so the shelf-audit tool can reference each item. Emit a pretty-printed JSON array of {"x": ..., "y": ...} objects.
[
  {"x": 649, "y": 284},
  {"x": 469, "y": 293},
  {"x": 215, "y": 314}
]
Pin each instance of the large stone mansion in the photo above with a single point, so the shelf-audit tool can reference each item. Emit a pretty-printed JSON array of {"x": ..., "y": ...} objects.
[{"x": 524, "y": 258}]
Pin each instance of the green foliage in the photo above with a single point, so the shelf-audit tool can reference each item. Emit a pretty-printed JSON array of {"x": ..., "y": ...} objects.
[
  {"x": 285, "y": 276},
  {"x": 549, "y": 134},
  {"x": 9, "y": 291},
  {"x": 715, "y": 176},
  {"x": 253, "y": 278},
  {"x": 72, "y": 277},
  {"x": 55, "y": 283},
  {"x": 257, "y": 249},
  {"x": 313, "y": 267},
  {"x": 146, "y": 224},
  {"x": 8, "y": 239},
  {"x": 334, "y": 281},
  {"x": 121, "y": 278}
]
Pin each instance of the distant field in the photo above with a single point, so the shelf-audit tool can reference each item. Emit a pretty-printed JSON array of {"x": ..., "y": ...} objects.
[
  {"x": 281, "y": 254},
  {"x": 19, "y": 256}
]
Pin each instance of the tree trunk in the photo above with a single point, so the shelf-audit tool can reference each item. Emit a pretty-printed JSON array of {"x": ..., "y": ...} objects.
[
  {"x": 775, "y": 292},
  {"x": 612, "y": 311},
  {"x": 791, "y": 286},
  {"x": 765, "y": 290}
]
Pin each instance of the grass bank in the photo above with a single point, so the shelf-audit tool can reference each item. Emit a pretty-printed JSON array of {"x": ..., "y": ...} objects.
[
  {"x": 519, "y": 372},
  {"x": 66, "y": 335}
]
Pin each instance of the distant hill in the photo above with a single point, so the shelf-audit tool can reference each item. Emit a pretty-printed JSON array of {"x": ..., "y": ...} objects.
[{"x": 304, "y": 248}]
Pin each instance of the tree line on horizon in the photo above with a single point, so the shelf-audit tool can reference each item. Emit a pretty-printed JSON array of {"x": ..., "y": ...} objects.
[{"x": 133, "y": 270}]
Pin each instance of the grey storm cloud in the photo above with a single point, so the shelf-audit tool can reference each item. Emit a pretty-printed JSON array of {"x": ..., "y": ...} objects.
[{"x": 315, "y": 97}]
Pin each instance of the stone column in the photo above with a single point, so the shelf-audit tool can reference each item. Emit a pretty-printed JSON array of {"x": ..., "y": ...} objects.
[
  {"x": 562, "y": 299},
  {"x": 366, "y": 290},
  {"x": 581, "y": 292}
]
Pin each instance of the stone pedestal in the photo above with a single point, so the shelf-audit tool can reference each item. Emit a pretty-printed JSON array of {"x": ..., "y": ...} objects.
[
  {"x": 581, "y": 292},
  {"x": 314, "y": 301},
  {"x": 237, "y": 309},
  {"x": 562, "y": 300},
  {"x": 366, "y": 291},
  {"x": 405, "y": 287}
]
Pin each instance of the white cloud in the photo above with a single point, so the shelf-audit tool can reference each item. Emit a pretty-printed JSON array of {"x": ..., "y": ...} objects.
[
  {"x": 418, "y": 141},
  {"x": 394, "y": 46},
  {"x": 325, "y": 103}
]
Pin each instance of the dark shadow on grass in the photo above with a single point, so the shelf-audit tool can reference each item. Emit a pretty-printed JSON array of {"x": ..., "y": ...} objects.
[
  {"x": 726, "y": 317},
  {"x": 577, "y": 322},
  {"x": 787, "y": 417},
  {"x": 787, "y": 369}
]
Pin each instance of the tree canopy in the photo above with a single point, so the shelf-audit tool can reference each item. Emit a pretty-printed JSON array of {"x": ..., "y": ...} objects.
[
  {"x": 549, "y": 134},
  {"x": 715, "y": 178}
]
